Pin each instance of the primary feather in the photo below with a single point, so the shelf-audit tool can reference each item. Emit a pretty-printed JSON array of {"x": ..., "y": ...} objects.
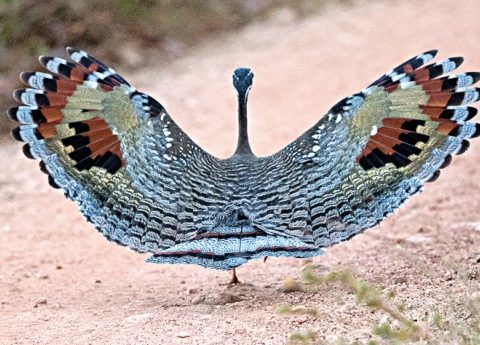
[{"x": 145, "y": 184}]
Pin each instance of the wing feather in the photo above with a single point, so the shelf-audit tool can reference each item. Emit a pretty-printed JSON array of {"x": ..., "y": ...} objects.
[
  {"x": 375, "y": 149},
  {"x": 98, "y": 139}
]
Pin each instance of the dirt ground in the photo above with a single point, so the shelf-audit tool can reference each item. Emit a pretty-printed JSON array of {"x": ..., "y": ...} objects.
[{"x": 62, "y": 283}]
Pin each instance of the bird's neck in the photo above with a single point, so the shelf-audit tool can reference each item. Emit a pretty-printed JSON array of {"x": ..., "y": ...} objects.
[{"x": 243, "y": 146}]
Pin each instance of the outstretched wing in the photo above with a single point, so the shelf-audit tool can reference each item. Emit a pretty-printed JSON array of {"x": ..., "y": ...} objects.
[
  {"x": 104, "y": 143},
  {"x": 376, "y": 148}
]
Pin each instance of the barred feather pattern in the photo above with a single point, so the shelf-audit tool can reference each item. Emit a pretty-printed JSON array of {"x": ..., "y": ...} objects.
[{"x": 145, "y": 184}]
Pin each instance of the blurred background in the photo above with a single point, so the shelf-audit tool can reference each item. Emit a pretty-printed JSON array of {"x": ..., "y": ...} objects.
[
  {"x": 127, "y": 34},
  {"x": 59, "y": 279}
]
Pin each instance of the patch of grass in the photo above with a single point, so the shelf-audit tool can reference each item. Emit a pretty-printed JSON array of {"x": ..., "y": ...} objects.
[
  {"x": 366, "y": 294},
  {"x": 461, "y": 325},
  {"x": 402, "y": 329},
  {"x": 303, "y": 338},
  {"x": 291, "y": 285},
  {"x": 298, "y": 309},
  {"x": 437, "y": 320}
]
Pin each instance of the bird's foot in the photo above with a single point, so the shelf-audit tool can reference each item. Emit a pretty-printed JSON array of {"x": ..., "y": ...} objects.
[{"x": 234, "y": 281}]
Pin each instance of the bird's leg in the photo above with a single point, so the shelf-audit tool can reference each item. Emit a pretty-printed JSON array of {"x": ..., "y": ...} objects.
[{"x": 234, "y": 280}]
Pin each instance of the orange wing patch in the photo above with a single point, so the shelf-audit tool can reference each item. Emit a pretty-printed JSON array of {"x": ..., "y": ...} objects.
[
  {"x": 94, "y": 144},
  {"x": 394, "y": 142},
  {"x": 91, "y": 141}
]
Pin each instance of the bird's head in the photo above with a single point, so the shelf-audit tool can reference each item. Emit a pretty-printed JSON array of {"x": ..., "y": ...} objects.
[{"x": 242, "y": 81}]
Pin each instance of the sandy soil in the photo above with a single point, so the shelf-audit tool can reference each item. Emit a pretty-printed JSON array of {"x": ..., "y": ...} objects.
[{"x": 62, "y": 283}]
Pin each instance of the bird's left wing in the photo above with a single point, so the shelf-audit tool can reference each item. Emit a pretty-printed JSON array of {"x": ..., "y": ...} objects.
[
  {"x": 112, "y": 149},
  {"x": 378, "y": 147}
]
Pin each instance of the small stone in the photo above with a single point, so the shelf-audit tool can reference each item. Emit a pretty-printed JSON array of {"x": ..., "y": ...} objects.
[
  {"x": 218, "y": 299},
  {"x": 183, "y": 335},
  {"x": 192, "y": 291},
  {"x": 98, "y": 281},
  {"x": 42, "y": 276},
  {"x": 448, "y": 276},
  {"x": 331, "y": 338},
  {"x": 417, "y": 239},
  {"x": 226, "y": 298},
  {"x": 40, "y": 301},
  {"x": 198, "y": 300},
  {"x": 400, "y": 280},
  {"x": 302, "y": 320},
  {"x": 138, "y": 318},
  {"x": 58, "y": 267}
]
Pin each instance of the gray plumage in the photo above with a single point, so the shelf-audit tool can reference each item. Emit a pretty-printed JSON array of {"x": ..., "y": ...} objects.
[{"x": 146, "y": 185}]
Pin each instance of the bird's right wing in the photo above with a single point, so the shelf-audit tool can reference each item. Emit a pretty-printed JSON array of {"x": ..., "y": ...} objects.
[
  {"x": 375, "y": 149},
  {"x": 112, "y": 149}
]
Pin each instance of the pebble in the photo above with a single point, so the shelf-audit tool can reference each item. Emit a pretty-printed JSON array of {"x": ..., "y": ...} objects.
[
  {"x": 226, "y": 298},
  {"x": 400, "y": 280},
  {"x": 218, "y": 299},
  {"x": 448, "y": 276},
  {"x": 302, "y": 320},
  {"x": 40, "y": 301},
  {"x": 417, "y": 238},
  {"x": 183, "y": 335},
  {"x": 331, "y": 338},
  {"x": 138, "y": 318}
]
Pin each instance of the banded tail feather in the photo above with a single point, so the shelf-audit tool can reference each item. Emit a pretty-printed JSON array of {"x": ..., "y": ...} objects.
[{"x": 145, "y": 184}]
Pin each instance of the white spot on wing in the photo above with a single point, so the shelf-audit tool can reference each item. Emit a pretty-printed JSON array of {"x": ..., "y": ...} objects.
[
  {"x": 76, "y": 56},
  {"x": 448, "y": 65}
]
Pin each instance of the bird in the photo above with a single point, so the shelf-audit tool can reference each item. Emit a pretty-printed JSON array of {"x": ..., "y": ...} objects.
[{"x": 144, "y": 184}]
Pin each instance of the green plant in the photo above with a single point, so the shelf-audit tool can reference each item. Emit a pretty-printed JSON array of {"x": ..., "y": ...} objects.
[
  {"x": 404, "y": 330},
  {"x": 303, "y": 338}
]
